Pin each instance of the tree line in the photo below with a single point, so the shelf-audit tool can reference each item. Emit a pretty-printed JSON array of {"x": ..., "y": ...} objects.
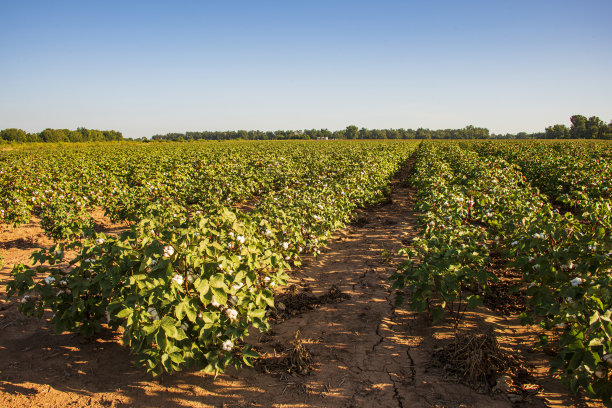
[
  {"x": 60, "y": 135},
  {"x": 581, "y": 128},
  {"x": 351, "y": 132}
]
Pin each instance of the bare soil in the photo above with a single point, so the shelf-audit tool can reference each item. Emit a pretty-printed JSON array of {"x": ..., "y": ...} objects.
[{"x": 337, "y": 340}]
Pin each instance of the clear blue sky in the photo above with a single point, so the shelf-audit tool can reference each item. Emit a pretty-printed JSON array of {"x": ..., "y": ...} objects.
[{"x": 147, "y": 67}]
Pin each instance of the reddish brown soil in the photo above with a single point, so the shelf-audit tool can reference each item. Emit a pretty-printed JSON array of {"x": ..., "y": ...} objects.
[{"x": 364, "y": 352}]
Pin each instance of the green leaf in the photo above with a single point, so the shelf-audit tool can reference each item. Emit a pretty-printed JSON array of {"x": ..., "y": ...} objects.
[
  {"x": 124, "y": 313},
  {"x": 218, "y": 281}
]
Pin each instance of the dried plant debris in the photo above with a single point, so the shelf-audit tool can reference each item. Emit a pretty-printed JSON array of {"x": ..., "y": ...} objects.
[
  {"x": 294, "y": 359},
  {"x": 292, "y": 302},
  {"x": 476, "y": 359},
  {"x": 299, "y": 359}
]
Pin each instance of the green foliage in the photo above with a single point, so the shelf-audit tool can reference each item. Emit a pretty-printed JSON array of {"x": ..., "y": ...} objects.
[
  {"x": 474, "y": 204},
  {"x": 193, "y": 273},
  {"x": 183, "y": 286}
]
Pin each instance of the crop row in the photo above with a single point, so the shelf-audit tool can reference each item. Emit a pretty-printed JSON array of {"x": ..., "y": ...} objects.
[
  {"x": 189, "y": 279},
  {"x": 567, "y": 172},
  {"x": 476, "y": 209}
]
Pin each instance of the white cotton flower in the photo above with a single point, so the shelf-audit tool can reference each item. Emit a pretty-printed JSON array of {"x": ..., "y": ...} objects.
[
  {"x": 227, "y": 345},
  {"x": 592, "y": 247},
  {"x": 459, "y": 199},
  {"x": 285, "y": 245},
  {"x": 601, "y": 372},
  {"x": 240, "y": 239},
  {"x": 576, "y": 282},
  {"x": 63, "y": 282},
  {"x": 168, "y": 251},
  {"x": 214, "y": 302},
  {"x": 153, "y": 313},
  {"x": 268, "y": 232},
  {"x": 231, "y": 314},
  {"x": 431, "y": 223},
  {"x": 178, "y": 279},
  {"x": 515, "y": 243},
  {"x": 49, "y": 280},
  {"x": 237, "y": 286},
  {"x": 99, "y": 241}
]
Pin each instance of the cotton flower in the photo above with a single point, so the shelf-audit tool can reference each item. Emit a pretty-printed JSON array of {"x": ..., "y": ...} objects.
[
  {"x": 515, "y": 243},
  {"x": 49, "y": 280},
  {"x": 153, "y": 313},
  {"x": 231, "y": 314},
  {"x": 227, "y": 345},
  {"x": 285, "y": 245},
  {"x": 99, "y": 241},
  {"x": 168, "y": 251},
  {"x": 214, "y": 302},
  {"x": 576, "y": 282},
  {"x": 237, "y": 286},
  {"x": 178, "y": 279},
  {"x": 240, "y": 239},
  {"x": 601, "y": 372}
]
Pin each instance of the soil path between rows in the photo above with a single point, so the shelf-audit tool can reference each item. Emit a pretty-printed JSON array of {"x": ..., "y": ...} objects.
[{"x": 364, "y": 351}]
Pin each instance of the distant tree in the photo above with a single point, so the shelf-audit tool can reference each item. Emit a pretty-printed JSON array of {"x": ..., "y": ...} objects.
[
  {"x": 351, "y": 132},
  {"x": 578, "y": 129},
  {"x": 557, "y": 132},
  {"x": 593, "y": 126},
  {"x": 14, "y": 135}
]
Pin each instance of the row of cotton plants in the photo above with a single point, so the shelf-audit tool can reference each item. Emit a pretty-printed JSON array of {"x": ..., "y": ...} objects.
[{"x": 474, "y": 208}]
